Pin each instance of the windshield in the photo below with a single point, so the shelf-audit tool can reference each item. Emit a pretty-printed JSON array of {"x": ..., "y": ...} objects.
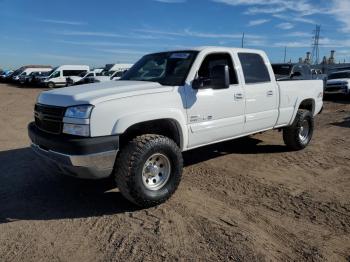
[
  {"x": 55, "y": 74},
  {"x": 169, "y": 68},
  {"x": 53, "y": 70},
  {"x": 339, "y": 75},
  {"x": 282, "y": 69},
  {"x": 82, "y": 74},
  {"x": 106, "y": 73}
]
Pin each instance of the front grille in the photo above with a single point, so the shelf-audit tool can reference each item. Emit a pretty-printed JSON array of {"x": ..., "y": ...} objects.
[
  {"x": 339, "y": 85},
  {"x": 335, "y": 88},
  {"x": 49, "y": 118}
]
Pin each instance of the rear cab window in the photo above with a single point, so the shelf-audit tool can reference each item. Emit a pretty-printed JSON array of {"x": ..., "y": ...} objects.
[{"x": 254, "y": 68}]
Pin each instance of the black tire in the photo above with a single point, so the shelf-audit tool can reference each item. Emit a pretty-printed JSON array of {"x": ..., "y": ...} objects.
[
  {"x": 292, "y": 134},
  {"x": 51, "y": 85},
  {"x": 129, "y": 169}
]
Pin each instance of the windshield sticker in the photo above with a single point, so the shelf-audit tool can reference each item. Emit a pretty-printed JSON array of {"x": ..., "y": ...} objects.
[{"x": 179, "y": 55}]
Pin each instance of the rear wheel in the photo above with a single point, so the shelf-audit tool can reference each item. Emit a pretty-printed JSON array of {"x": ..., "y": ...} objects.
[
  {"x": 148, "y": 170},
  {"x": 299, "y": 134}
]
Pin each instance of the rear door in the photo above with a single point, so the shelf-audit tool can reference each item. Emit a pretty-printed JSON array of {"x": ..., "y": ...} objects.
[{"x": 261, "y": 93}]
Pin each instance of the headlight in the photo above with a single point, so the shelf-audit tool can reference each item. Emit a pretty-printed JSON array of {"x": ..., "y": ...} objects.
[
  {"x": 77, "y": 130},
  {"x": 81, "y": 112}
]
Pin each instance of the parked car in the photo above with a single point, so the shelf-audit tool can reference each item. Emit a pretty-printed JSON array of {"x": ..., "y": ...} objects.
[
  {"x": 112, "y": 72},
  {"x": 135, "y": 129},
  {"x": 59, "y": 75},
  {"x": 298, "y": 71},
  {"x": 5, "y": 74},
  {"x": 98, "y": 71},
  {"x": 37, "y": 77},
  {"x": 28, "y": 73},
  {"x": 83, "y": 78},
  {"x": 9, "y": 77},
  {"x": 338, "y": 83}
]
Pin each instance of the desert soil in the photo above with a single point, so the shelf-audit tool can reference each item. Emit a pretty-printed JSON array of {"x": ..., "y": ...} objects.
[{"x": 246, "y": 200}]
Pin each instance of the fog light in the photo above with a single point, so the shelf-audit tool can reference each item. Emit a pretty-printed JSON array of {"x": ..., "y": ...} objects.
[{"x": 77, "y": 130}]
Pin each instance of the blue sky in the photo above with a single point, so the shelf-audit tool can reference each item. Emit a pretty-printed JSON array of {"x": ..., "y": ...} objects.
[{"x": 100, "y": 32}]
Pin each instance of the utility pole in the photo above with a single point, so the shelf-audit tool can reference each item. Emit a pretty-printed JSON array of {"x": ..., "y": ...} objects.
[
  {"x": 242, "y": 40},
  {"x": 315, "y": 46},
  {"x": 285, "y": 54}
]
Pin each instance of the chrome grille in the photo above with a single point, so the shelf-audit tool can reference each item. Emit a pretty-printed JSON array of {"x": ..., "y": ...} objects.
[{"x": 49, "y": 118}]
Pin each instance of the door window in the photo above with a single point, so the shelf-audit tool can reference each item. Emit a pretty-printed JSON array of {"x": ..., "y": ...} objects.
[
  {"x": 213, "y": 60},
  {"x": 73, "y": 72},
  {"x": 254, "y": 68}
]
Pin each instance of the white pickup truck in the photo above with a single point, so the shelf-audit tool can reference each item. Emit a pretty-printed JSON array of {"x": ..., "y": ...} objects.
[
  {"x": 338, "y": 83},
  {"x": 136, "y": 129}
]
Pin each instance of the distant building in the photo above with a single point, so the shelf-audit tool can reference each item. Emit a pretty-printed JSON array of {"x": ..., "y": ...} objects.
[{"x": 308, "y": 58}]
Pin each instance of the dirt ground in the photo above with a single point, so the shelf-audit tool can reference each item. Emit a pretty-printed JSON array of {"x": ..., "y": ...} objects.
[{"x": 244, "y": 200}]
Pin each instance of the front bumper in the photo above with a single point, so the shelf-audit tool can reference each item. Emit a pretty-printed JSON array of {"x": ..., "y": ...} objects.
[{"x": 88, "y": 158}]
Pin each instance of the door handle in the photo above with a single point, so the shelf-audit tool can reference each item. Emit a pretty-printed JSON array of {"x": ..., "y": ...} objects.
[
  {"x": 269, "y": 93},
  {"x": 238, "y": 96}
]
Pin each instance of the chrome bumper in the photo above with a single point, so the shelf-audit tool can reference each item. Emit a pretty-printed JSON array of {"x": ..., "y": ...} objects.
[{"x": 89, "y": 166}]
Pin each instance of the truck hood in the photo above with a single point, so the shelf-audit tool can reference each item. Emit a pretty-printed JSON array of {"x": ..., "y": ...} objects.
[
  {"x": 99, "y": 92},
  {"x": 103, "y": 78}
]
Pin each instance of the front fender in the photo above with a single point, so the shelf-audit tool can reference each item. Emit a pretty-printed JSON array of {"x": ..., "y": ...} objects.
[{"x": 126, "y": 121}]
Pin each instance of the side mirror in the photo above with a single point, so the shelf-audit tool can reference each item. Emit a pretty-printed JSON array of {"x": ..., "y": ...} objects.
[
  {"x": 201, "y": 83},
  {"x": 220, "y": 77}
]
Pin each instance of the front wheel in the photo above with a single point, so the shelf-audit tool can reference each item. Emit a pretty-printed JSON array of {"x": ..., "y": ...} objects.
[
  {"x": 51, "y": 85},
  {"x": 299, "y": 134},
  {"x": 148, "y": 170}
]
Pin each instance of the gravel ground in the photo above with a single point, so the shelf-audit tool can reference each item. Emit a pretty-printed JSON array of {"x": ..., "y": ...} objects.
[{"x": 243, "y": 200}]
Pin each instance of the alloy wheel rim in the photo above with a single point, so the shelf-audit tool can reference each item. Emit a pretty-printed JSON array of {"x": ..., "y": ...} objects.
[
  {"x": 304, "y": 131},
  {"x": 156, "y": 171}
]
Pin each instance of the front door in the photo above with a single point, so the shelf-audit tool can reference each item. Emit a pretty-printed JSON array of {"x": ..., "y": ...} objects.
[{"x": 215, "y": 114}]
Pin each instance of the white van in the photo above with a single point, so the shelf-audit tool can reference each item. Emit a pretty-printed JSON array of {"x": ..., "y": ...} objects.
[
  {"x": 21, "y": 78},
  {"x": 59, "y": 75},
  {"x": 112, "y": 72}
]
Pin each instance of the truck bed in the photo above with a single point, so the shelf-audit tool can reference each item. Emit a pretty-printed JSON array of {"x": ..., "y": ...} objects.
[{"x": 292, "y": 91}]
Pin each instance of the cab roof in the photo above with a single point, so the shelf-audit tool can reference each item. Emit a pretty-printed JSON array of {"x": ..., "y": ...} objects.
[{"x": 214, "y": 48}]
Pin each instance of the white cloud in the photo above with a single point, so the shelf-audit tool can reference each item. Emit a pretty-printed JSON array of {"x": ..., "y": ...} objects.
[
  {"x": 196, "y": 34},
  {"x": 289, "y": 10},
  {"x": 108, "y": 35},
  {"x": 303, "y": 7},
  {"x": 264, "y": 10},
  {"x": 341, "y": 11},
  {"x": 291, "y": 17},
  {"x": 324, "y": 43},
  {"x": 171, "y": 1},
  {"x": 121, "y": 51},
  {"x": 299, "y": 34},
  {"x": 295, "y": 44},
  {"x": 63, "y": 22},
  {"x": 285, "y": 26},
  {"x": 258, "y": 22},
  {"x": 160, "y": 32},
  {"x": 88, "y": 33}
]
